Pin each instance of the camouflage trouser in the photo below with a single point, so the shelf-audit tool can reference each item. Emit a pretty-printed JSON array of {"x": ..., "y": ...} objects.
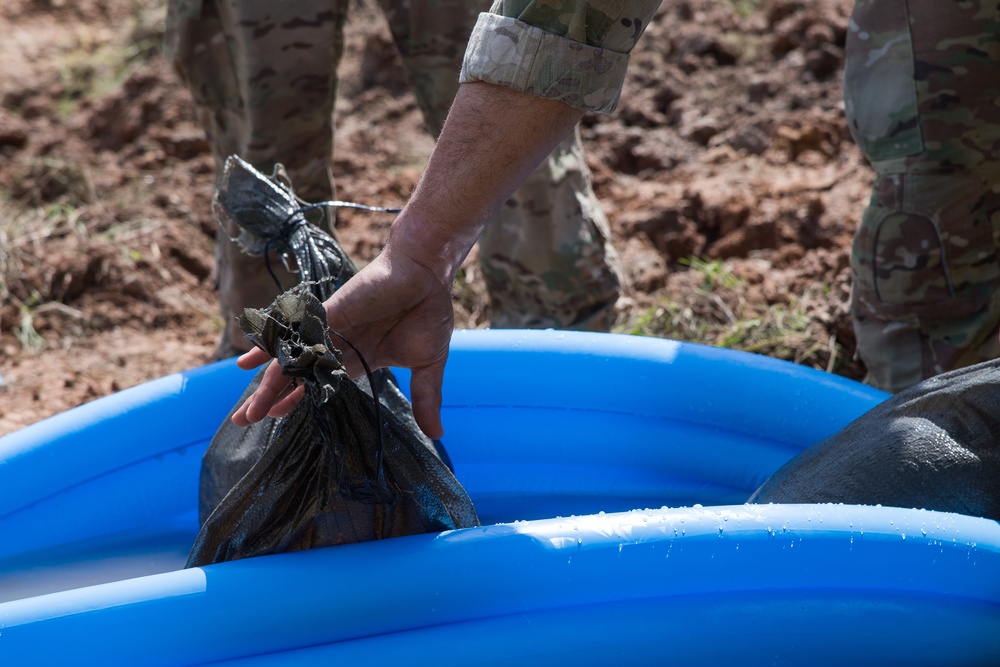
[
  {"x": 263, "y": 76},
  {"x": 921, "y": 85}
]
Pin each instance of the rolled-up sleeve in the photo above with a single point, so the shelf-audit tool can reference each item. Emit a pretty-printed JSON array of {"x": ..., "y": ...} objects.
[{"x": 575, "y": 51}]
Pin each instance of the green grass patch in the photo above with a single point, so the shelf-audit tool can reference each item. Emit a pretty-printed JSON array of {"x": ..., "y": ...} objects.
[
  {"x": 747, "y": 8},
  {"x": 718, "y": 311},
  {"x": 95, "y": 67}
]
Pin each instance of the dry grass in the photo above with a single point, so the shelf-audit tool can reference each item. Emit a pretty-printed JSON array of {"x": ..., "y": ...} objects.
[
  {"x": 51, "y": 199},
  {"x": 718, "y": 312}
]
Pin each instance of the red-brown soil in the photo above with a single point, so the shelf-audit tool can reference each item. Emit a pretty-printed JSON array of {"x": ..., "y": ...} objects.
[{"x": 729, "y": 145}]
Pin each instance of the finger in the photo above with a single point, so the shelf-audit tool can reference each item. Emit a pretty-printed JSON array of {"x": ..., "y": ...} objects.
[
  {"x": 425, "y": 393},
  {"x": 285, "y": 404},
  {"x": 262, "y": 401},
  {"x": 255, "y": 407},
  {"x": 272, "y": 385},
  {"x": 240, "y": 416},
  {"x": 252, "y": 359}
]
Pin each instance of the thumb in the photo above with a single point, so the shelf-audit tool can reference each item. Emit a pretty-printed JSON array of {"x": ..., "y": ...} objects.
[{"x": 425, "y": 392}]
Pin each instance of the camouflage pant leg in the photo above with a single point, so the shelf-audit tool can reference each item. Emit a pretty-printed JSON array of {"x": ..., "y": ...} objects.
[
  {"x": 920, "y": 86},
  {"x": 547, "y": 257},
  {"x": 263, "y": 78},
  {"x": 430, "y": 36},
  {"x": 924, "y": 298}
]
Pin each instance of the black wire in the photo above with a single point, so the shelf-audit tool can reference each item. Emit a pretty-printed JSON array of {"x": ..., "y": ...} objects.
[
  {"x": 267, "y": 265},
  {"x": 337, "y": 204},
  {"x": 378, "y": 404}
]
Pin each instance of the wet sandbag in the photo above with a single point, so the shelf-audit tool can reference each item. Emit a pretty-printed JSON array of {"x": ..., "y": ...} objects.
[
  {"x": 935, "y": 446},
  {"x": 264, "y": 217},
  {"x": 234, "y": 450},
  {"x": 339, "y": 469}
]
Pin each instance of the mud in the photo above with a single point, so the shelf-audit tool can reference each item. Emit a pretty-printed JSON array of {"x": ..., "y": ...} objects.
[{"x": 729, "y": 145}]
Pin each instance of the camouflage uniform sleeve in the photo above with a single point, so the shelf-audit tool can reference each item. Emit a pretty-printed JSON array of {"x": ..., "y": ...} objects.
[{"x": 575, "y": 51}]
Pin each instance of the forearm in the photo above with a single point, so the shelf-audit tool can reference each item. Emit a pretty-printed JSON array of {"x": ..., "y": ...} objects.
[{"x": 493, "y": 138}]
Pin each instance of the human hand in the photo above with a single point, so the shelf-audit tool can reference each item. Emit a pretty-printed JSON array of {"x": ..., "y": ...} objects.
[{"x": 396, "y": 312}]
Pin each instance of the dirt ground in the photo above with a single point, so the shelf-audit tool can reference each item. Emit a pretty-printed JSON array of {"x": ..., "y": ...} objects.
[{"x": 728, "y": 174}]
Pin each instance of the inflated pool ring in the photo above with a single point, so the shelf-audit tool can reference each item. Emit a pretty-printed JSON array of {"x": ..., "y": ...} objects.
[{"x": 594, "y": 449}]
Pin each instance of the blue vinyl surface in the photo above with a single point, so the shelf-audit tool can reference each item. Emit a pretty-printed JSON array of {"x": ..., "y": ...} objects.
[{"x": 610, "y": 474}]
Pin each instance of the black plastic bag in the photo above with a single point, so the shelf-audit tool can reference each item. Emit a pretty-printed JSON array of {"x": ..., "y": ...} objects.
[
  {"x": 339, "y": 468},
  {"x": 268, "y": 487},
  {"x": 935, "y": 446}
]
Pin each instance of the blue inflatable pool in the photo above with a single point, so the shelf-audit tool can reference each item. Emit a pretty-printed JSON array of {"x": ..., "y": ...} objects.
[{"x": 610, "y": 474}]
